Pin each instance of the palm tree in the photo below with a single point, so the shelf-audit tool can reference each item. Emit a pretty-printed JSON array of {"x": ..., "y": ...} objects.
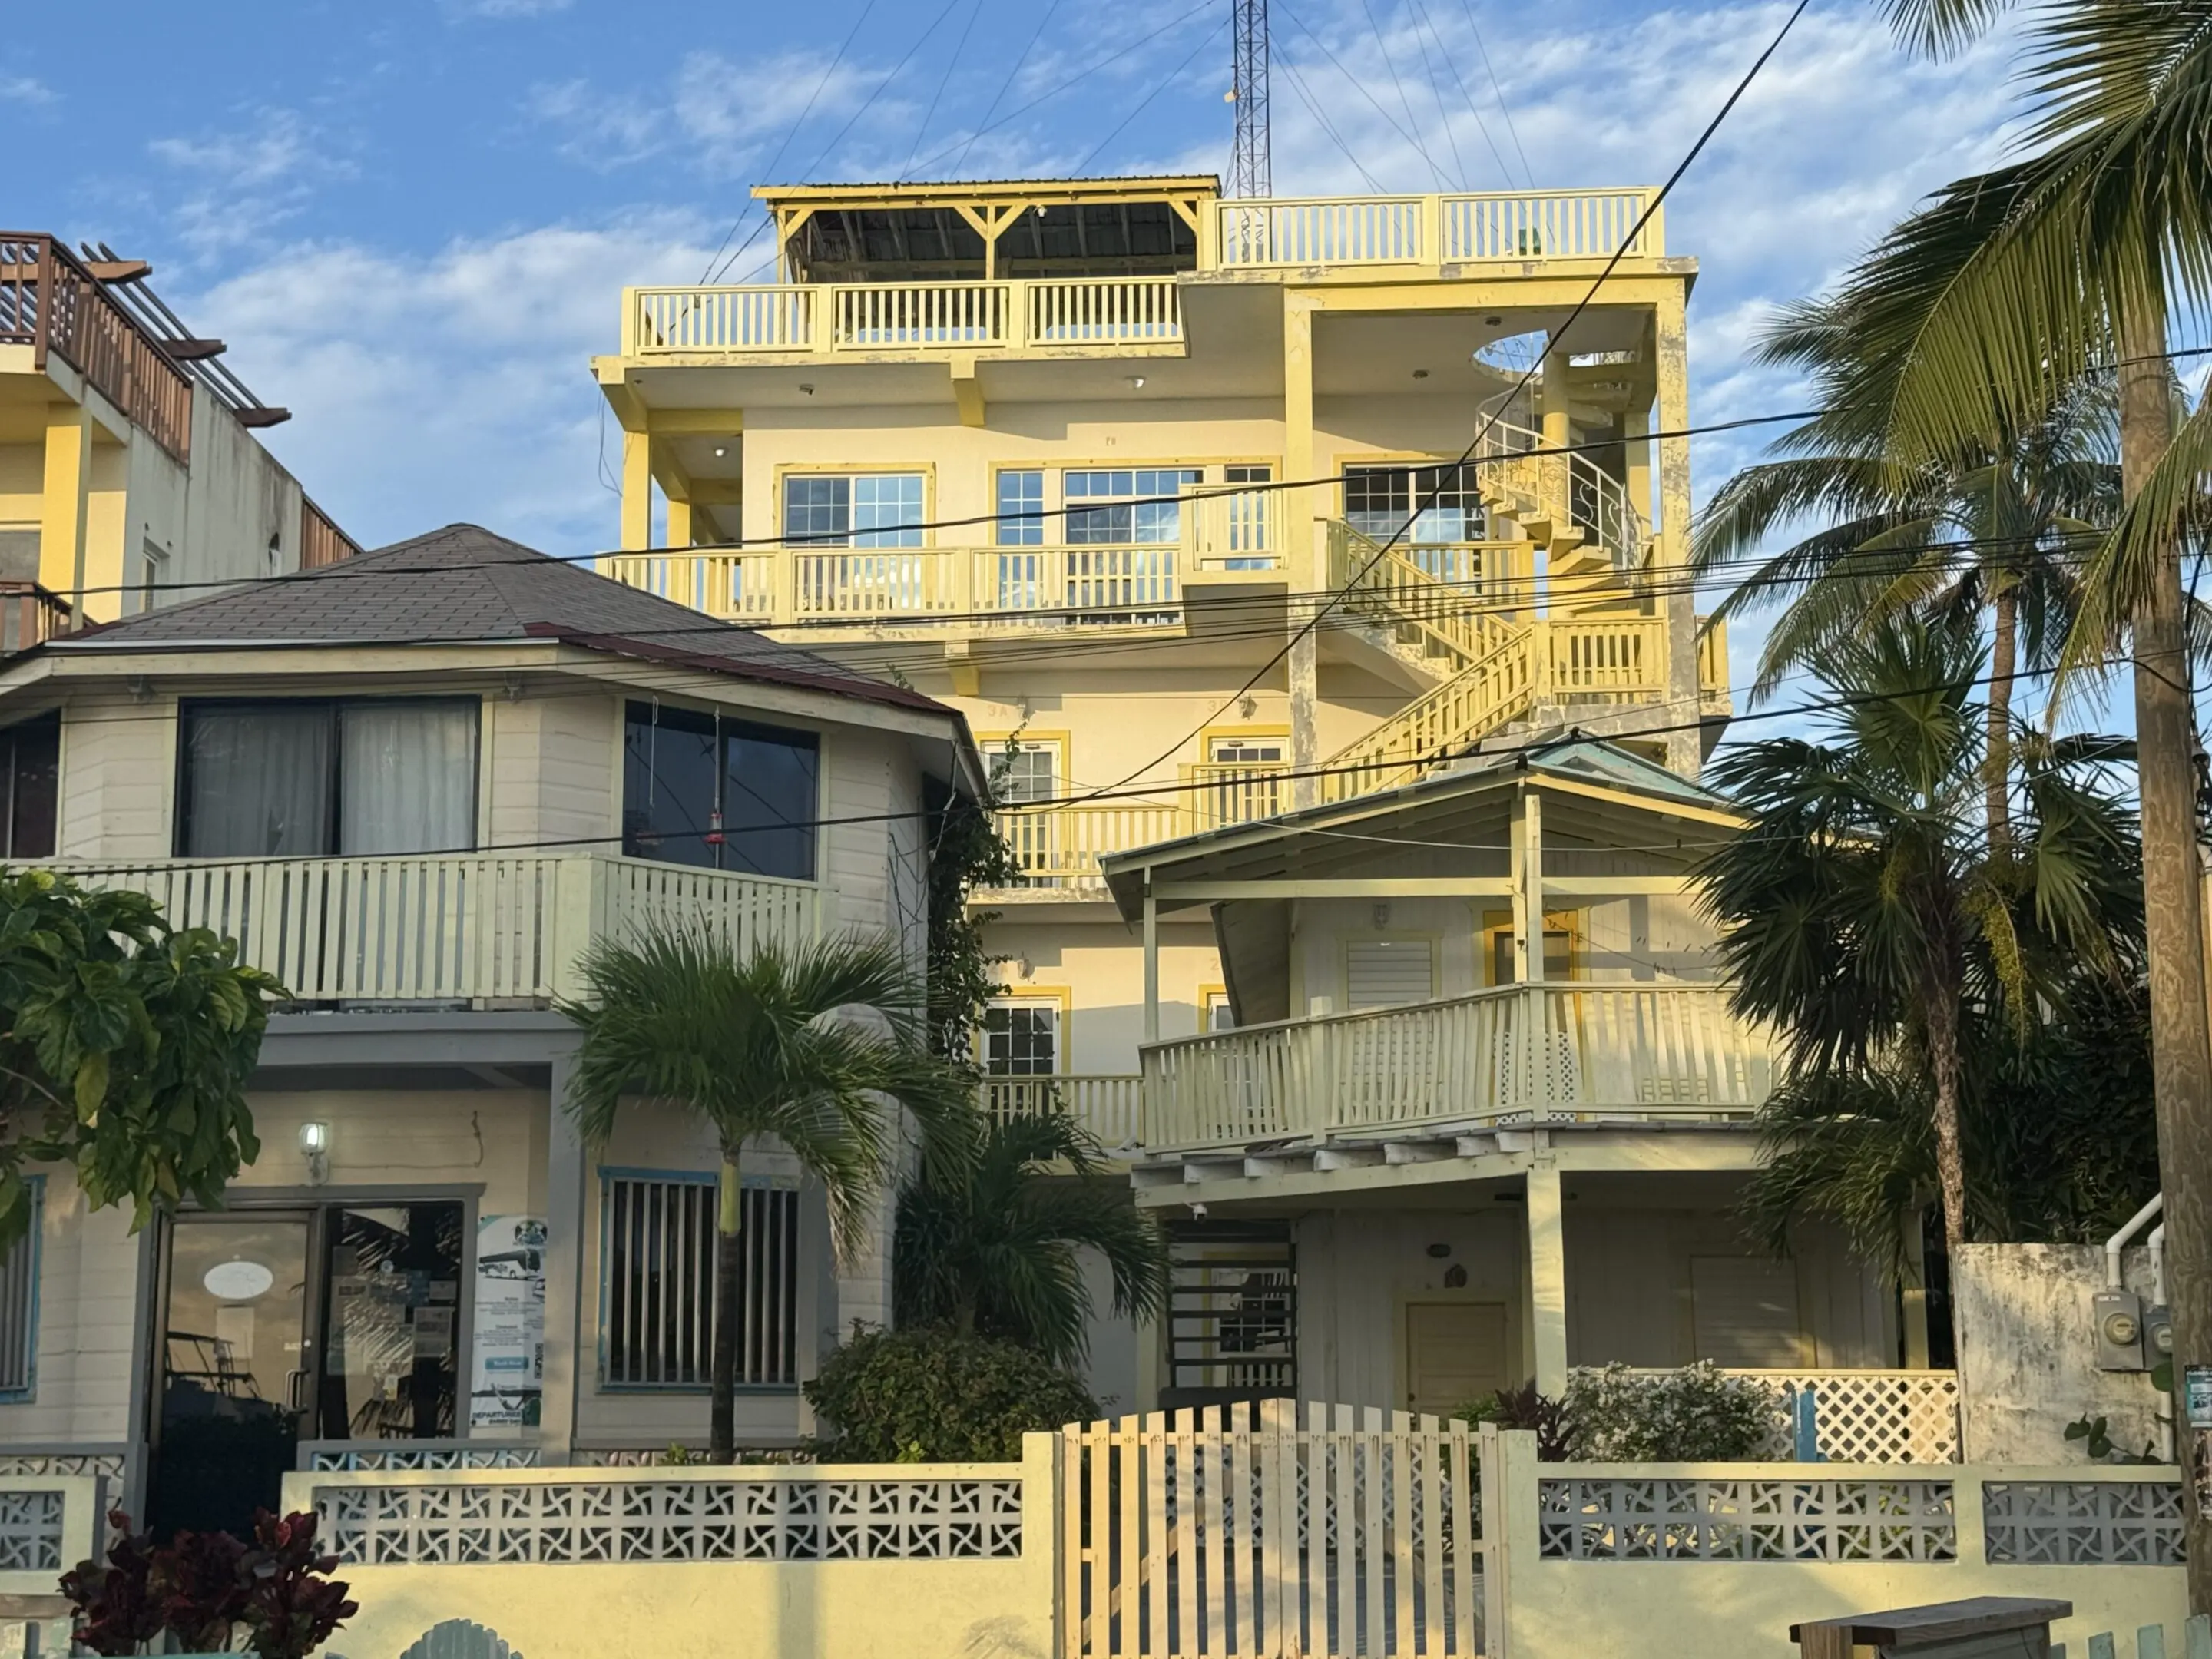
[
  {"x": 814, "y": 1047},
  {"x": 996, "y": 1250},
  {"x": 1996, "y": 529},
  {"x": 1866, "y": 913}
]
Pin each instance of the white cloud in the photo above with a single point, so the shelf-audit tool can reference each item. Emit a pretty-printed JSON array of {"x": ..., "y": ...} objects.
[
  {"x": 28, "y": 90},
  {"x": 453, "y": 386},
  {"x": 249, "y": 181},
  {"x": 507, "y": 8}
]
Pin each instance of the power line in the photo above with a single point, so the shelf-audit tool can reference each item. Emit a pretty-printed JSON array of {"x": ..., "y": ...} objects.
[
  {"x": 1505, "y": 108},
  {"x": 943, "y": 82},
  {"x": 1007, "y": 86},
  {"x": 1451, "y": 62},
  {"x": 1383, "y": 45},
  {"x": 1613, "y": 264},
  {"x": 1159, "y": 85},
  {"x": 1360, "y": 87}
]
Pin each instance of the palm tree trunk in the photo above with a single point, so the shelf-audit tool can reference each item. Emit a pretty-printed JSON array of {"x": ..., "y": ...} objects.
[
  {"x": 1943, "y": 1017},
  {"x": 1997, "y": 762},
  {"x": 2181, "y": 1045},
  {"x": 729, "y": 1270}
]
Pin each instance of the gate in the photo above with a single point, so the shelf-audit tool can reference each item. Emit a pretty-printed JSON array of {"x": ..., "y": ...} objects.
[{"x": 1231, "y": 1532}]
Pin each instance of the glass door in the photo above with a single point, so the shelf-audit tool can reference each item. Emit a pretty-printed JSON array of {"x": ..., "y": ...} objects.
[
  {"x": 234, "y": 1363},
  {"x": 391, "y": 1330}
]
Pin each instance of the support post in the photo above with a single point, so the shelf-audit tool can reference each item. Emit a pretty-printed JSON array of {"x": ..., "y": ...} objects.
[
  {"x": 1913, "y": 1296},
  {"x": 637, "y": 491},
  {"x": 1303, "y": 543},
  {"x": 1547, "y": 1278},
  {"x": 565, "y": 1162},
  {"x": 1151, "y": 962},
  {"x": 679, "y": 522},
  {"x": 1528, "y": 869},
  {"x": 64, "y": 501},
  {"x": 1671, "y": 354}
]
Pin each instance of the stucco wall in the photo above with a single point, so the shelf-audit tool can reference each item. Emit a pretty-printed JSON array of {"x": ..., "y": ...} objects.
[{"x": 2026, "y": 1360}]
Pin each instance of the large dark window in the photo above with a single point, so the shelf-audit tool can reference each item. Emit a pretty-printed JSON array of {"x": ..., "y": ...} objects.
[
  {"x": 306, "y": 778},
  {"x": 721, "y": 794},
  {"x": 30, "y": 767}
]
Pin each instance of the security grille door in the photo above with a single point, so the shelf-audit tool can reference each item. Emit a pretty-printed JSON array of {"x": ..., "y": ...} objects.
[{"x": 1232, "y": 1313}]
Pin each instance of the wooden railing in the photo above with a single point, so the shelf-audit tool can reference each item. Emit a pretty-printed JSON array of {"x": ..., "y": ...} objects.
[
  {"x": 1713, "y": 656},
  {"x": 1060, "y": 845},
  {"x": 30, "y": 616},
  {"x": 452, "y": 926},
  {"x": 1105, "y": 1105},
  {"x": 1531, "y": 1052},
  {"x": 1059, "y": 312},
  {"x": 51, "y": 302},
  {"x": 1511, "y": 227},
  {"x": 321, "y": 541}
]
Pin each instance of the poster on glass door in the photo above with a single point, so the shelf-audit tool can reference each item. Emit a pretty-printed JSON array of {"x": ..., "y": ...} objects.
[{"x": 508, "y": 1368}]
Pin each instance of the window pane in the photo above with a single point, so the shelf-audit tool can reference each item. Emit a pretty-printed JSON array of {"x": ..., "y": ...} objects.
[
  {"x": 1027, "y": 773},
  {"x": 1131, "y": 519},
  {"x": 407, "y": 777},
  {"x": 35, "y": 763},
  {"x": 257, "y": 780},
  {"x": 769, "y": 801},
  {"x": 668, "y": 784},
  {"x": 817, "y": 508},
  {"x": 1021, "y": 492},
  {"x": 1021, "y": 1039},
  {"x": 657, "y": 1286},
  {"x": 887, "y": 511}
]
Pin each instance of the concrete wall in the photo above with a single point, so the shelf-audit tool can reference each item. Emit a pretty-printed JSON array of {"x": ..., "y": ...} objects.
[{"x": 2026, "y": 1360}]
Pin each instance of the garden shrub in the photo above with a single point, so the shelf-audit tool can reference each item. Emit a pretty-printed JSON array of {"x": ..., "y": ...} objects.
[
  {"x": 1697, "y": 1414},
  {"x": 932, "y": 1396}
]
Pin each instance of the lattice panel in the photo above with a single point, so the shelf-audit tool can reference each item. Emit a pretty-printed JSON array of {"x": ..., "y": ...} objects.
[
  {"x": 97, "y": 1465},
  {"x": 379, "y": 1460},
  {"x": 1875, "y": 1417},
  {"x": 712, "y": 1520},
  {"x": 31, "y": 1531},
  {"x": 1750, "y": 1520},
  {"x": 2083, "y": 1522}
]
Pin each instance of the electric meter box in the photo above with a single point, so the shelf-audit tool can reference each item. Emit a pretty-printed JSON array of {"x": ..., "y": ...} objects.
[{"x": 2117, "y": 1319}]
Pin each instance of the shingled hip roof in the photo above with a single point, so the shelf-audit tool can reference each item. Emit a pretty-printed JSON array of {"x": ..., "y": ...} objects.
[{"x": 463, "y": 584}]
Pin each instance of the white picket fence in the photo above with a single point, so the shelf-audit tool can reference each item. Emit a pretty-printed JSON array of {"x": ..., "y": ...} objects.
[{"x": 1234, "y": 1530}]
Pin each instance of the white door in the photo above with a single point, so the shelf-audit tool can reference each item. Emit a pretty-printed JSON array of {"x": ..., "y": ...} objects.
[{"x": 1455, "y": 1354}]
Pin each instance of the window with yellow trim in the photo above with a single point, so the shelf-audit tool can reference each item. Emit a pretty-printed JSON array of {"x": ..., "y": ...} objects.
[{"x": 1562, "y": 961}]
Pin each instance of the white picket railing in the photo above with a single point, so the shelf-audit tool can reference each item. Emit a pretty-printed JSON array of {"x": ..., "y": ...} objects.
[
  {"x": 452, "y": 926},
  {"x": 1105, "y": 1104},
  {"x": 1059, "y": 312},
  {"x": 1528, "y": 1052},
  {"x": 1505, "y": 226}
]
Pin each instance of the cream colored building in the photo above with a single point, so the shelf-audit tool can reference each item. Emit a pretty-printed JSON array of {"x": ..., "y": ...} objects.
[
  {"x": 417, "y": 787},
  {"x": 1167, "y": 492},
  {"x": 131, "y": 475}
]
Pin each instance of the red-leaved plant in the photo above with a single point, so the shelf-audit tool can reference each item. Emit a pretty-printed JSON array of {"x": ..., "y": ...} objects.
[{"x": 203, "y": 1585}]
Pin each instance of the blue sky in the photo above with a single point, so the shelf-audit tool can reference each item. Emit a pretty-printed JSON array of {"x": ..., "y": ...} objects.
[{"x": 412, "y": 221}]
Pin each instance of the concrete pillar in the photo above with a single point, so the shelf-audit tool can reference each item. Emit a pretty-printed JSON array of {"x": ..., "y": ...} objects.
[
  {"x": 637, "y": 490},
  {"x": 1526, "y": 859},
  {"x": 565, "y": 1162},
  {"x": 1633, "y": 426},
  {"x": 1671, "y": 357},
  {"x": 1151, "y": 962},
  {"x": 1547, "y": 1279},
  {"x": 1303, "y": 667},
  {"x": 1302, "y": 542},
  {"x": 679, "y": 523},
  {"x": 65, "y": 499}
]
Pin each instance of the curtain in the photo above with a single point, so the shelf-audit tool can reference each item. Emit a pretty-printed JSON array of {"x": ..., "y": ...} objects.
[
  {"x": 409, "y": 777},
  {"x": 256, "y": 782}
]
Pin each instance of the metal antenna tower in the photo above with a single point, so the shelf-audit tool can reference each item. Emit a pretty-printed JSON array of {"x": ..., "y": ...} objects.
[{"x": 1250, "y": 171}]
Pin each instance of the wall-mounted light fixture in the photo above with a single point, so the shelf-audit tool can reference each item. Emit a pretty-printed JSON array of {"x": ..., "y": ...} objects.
[{"x": 315, "y": 1147}]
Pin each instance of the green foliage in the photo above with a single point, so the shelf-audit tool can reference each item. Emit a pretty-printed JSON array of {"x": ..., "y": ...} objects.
[
  {"x": 936, "y": 1396},
  {"x": 995, "y": 1249},
  {"x": 2096, "y": 1433},
  {"x": 2059, "y": 1136},
  {"x": 127, "y": 1047},
  {"x": 1695, "y": 1415},
  {"x": 966, "y": 850},
  {"x": 1524, "y": 1407}
]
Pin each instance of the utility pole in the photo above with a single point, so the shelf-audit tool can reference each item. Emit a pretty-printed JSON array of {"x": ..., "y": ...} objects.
[{"x": 1250, "y": 171}]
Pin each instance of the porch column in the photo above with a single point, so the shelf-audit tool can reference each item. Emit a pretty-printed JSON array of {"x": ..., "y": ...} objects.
[
  {"x": 637, "y": 490},
  {"x": 679, "y": 522},
  {"x": 1301, "y": 542},
  {"x": 1671, "y": 340},
  {"x": 63, "y": 502},
  {"x": 1913, "y": 1296},
  {"x": 1151, "y": 962},
  {"x": 564, "y": 1270},
  {"x": 1528, "y": 869},
  {"x": 1547, "y": 1279}
]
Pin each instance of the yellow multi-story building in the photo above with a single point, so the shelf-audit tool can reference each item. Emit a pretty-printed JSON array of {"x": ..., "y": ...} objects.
[{"x": 1219, "y": 516}]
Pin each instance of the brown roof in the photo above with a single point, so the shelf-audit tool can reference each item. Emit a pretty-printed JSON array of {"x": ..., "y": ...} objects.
[{"x": 463, "y": 584}]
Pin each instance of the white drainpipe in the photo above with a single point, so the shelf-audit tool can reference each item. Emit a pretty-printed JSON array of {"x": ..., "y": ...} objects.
[{"x": 2113, "y": 1244}]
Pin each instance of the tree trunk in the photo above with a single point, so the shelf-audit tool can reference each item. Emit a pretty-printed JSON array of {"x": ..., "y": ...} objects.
[
  {"x": 1997, "y": 763},
  {"x": 1943, "y": 1017},
  {"x": 729, "y": 1272},
  {"x": 2181, "y": 1047}
]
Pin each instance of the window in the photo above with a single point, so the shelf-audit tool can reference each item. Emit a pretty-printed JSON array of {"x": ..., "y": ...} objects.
[
  {"x": 1021, "y": 1037},
  {"x": 1027, "y": 773},
  {"x": 859, "y": 510},
  {"x": 1389, "y": 973},
  {"x": 1559, "y": 946},
  {"x": 1246, "y": 751},
  {"x": 30, "y": 770},
  {"x": 1215, "y": 1012},
  {"x": 1123, "y": 509},
  {"x": 721, "y": 794},
  {"x": 306, "y": 779},
  {"x": 1247, "y": 520},
  {"x": 1021, "y": 492},
  {"x": 154, "y": 575},
  {"x": 1380, "y": 501},
  {"x": 657, "y": 1281},
  {"x": 19, "y": 1302},
  {"x": 1232, "y": 1313},
  {"x": 1744, "y": 1311}
]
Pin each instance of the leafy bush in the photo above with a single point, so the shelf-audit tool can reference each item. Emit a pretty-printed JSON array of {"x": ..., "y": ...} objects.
[
  {"x": 200, "y": 1585},
  {"x": 929, "y": 1396},
  {"x": 1549, "y": 1419},
  {"x": 1697, "y": 1414}
]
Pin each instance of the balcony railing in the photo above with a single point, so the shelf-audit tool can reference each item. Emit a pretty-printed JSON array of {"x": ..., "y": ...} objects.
[
  {"x": 1075, "y": 313},
  {"x": 30, "y": 616},
  {"x": 321, "y": 541},
  {"x": 1520, "y": 1053},
  {"x": 1513, "y": 227},
  {"x": 51, "y": 302},
  {"x": 452, "y": 926},
  {"x": 1106, "y": 1105}
]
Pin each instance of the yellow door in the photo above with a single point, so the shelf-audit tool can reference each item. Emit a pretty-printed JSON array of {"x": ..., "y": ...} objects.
[{"x": 1455, "y": 1353}]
